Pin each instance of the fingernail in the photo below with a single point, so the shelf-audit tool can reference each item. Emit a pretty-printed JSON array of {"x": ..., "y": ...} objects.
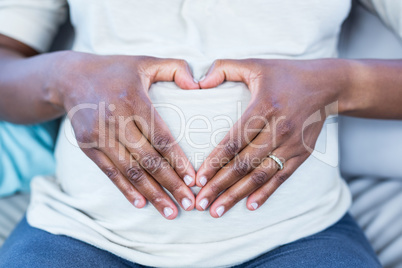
[
  {"x": 136, "y": 203},
  {"x": 195, "y": 80},
  {"x": 186, "y": 203},
  {"x": 220, "y": 210},
  {"x": 188, "y": 180},
  {"x": 202, "y": 78},
  {"x": 254, "y": 205},
  {"x": 167, "y": 211},
  {"x": 203, "y": 180},
  {"x": 204, "y": 203}
]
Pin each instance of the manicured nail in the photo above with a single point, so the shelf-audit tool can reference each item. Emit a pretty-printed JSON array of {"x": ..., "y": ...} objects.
[
  {"x": 188, "y": 180},
  {"x": 203, "y": 180},
  {"x": 136, "y": 203},
  {"x": 220, "y": 210},
  {"x": 186, "y": 203},
  {"x": 202, "y": 78},
  {"x": 195, "y": 80},
  {"x": 167, "y": 211},
  {"x": 204, "y": 203},
  {"x": 254, "y": 205}
]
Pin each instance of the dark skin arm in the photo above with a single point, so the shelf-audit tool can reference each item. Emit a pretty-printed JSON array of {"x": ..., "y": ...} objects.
[
  {"x": 285, "y": 94},
  {"x": 12, "y": 52},
  {"x": 140, "y": 156},
  {"x": 295, "y": 89}
]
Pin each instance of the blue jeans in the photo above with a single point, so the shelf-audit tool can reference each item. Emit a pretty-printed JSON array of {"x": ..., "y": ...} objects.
[{"x": 341, "y": 245}]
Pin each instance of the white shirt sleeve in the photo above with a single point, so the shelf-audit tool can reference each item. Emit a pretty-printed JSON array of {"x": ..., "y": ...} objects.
[
  {"x": 389, "y": 11},
  {"x": 32, "y": 22}
]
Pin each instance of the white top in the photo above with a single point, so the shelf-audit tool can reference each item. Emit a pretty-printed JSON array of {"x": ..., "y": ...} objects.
[{"x": 81, "y": 202}]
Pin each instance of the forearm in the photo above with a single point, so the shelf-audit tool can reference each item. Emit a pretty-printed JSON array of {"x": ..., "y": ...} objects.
[
  {"x": 25, "y": 87},
  {"x": 374, "y": 91}
]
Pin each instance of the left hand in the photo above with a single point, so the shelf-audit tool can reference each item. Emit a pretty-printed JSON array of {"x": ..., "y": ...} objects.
[{"x": 284, "y": 94}]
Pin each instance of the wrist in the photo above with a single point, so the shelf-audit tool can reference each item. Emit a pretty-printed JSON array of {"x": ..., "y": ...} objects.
[
  {"x": 59, "y": 67},
  {"x": 338, "y": 80},
  {"x": 349, "y": 98}
]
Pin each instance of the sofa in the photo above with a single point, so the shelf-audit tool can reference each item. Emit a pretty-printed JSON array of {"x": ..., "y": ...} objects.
[{"x": 370, "y": 150}]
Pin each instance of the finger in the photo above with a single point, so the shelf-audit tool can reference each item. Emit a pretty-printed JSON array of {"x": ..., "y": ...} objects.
[
  {"x": 243, "y": 188},
  {"x": 243, "y": 163},
  {"x": 140, "y": 179},
  {"x": 239, "y": 136},
  {"x": 240, "y": 188},
  {"x": 269, "y": 138},
  {"x": 156, "y": 166},
  {"x": 114, "y": 174},
  {"x": 246, "y": 128},
  {"x": 226, "y": 70},
  {"x": 152, "y": 126},
  {"x": 261, "y": 195},
  {"x": 246, "y": 161},
  {"x": 174, "y": 70}
]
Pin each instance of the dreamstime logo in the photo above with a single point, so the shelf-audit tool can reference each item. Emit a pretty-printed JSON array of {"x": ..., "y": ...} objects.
[{"x": 113, "y": 131}]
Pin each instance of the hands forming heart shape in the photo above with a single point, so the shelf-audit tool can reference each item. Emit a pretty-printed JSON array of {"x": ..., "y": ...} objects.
[{"x": 141, "y": 160}]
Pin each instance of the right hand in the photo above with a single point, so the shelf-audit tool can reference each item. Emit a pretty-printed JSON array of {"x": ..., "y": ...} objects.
[{"x": 140, "y": 156}]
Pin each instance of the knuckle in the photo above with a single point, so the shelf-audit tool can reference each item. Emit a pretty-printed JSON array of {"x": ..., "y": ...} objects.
[
  {"x": 87, "y": 136},
  {"x": 128, "y": 191},
  {"x": 248, "y": 62},
  {"x": 144, "y": 59},
  {"x": 274, "y": 107},
  {"x": 181, "y": 63},
  {"x": 215, "y": 188},
  {"x": 112, "y": 173},
  {"x": 145, "y": 62},
  {"x": 177, "y": 189},
  {"x": 241, "y": 168},
  {"x": 259, "y": 178},
  {"x": 232, "y": 198},
  {"x": 281, "y": 178},
  {"x": 156, "y": 198},
  {"x": 152, "y": 163},
  {"x": 285, "y": 128},
  {"x": 135, "y": 175},
  {"x": 264, "y": 195},
  {"x": 162, "y": 143},
  {"x": 258, "y": 61},
  {"x": 93, "y": 133},
  {"x": 218, "y": 62},
  {"x": 231, "y": 148},
  {"x": 304, "y": 156}
]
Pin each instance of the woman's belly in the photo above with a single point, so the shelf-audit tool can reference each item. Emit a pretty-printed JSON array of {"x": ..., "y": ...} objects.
[{"x": 313, "y": 198}]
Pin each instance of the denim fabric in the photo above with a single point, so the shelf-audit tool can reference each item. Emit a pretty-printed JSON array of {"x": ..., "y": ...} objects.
[{"x": 341, "y": 245}]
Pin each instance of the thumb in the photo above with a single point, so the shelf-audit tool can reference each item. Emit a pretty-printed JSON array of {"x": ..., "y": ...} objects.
[
  {"x": 224, "y": 70},
  {"x": 175, "y": 70}
]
